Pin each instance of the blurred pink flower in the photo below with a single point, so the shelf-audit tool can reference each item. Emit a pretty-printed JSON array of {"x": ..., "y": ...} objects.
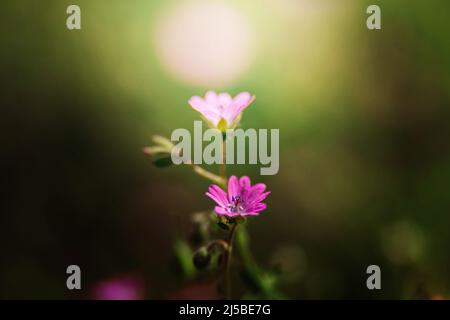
[
  {"x": 221, "y": 110},
  {"x": 127, "y": 287},
  {"x": 242, "y": 198}
]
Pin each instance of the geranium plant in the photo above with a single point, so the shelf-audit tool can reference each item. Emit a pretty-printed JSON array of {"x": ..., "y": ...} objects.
[{"x": 235, "y": 199}]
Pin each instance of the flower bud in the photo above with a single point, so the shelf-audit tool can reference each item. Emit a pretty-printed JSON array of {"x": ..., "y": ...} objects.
[{"x": 201, "y": 258}]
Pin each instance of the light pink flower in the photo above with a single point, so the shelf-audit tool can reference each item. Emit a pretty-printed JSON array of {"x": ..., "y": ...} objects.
[
  {"x": 221, "y": 110},
  {"x": 242, "y": 198}
]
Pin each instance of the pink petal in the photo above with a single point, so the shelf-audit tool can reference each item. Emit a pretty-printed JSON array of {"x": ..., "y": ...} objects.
[
  {"x": 198, "y": 104},
  {"x": 220, "y": 210},
  {"x": 259, "y": 207},
  {"x": 240, "y": 106},
  {"x": 214, "y": 197},
  {"x": 242, "y": 98},
  {"x": 223, "y": 212},
  {"x": 204, "y": 108},
  {"x": 250, "y": 213},
  {"x": 254, "y": 192},
  {"x": 233, "y": 188},
  {"x": 258, "y": 199},
  {"x": 218, "y": 194},
  {"x": 211, "y": 98},
  {"x": 225, "y": 100},
  {"x": 240, "y": 102},
  {"x": 244, "y": 182}
]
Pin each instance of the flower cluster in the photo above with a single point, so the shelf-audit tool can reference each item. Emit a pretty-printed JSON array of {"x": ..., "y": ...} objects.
[
  {"x": 235, "y": 198},
  {"x": 223, "y": 112}
]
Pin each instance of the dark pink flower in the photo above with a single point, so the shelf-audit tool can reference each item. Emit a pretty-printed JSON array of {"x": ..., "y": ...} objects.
[
  {"x": 128, "y": 287},
  {"x": 221, "y": 110},
  {"x": 242, "y": 198}
]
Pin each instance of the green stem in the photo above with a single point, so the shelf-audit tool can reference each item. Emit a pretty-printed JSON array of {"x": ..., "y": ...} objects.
[
  {"x": 208, "y": 175},
  {"x": 229, "y": 241},
  {"x": 223, "y": 166},
  {"x": 220, "y": 243}
]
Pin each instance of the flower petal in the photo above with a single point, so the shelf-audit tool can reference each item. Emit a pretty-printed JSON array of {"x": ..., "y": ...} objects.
[
  {"x": 233, "y": 188},
  {"x": 214, "y": 197},
  {"x": 258, "y": 199},
  {"x": 225, "y": 100},
  {"x": 255, "y": 192},
  {"x": 200, "y": 105},
  {"x": 244, "y": 183},
  {"x": 242, "y": 97},
  {"x": 240, "y": 102},
  {"x": 241, "y": 106},
  {"x": 219, "y": 195},
  {"x": 221, "y": 211},
  {"x": 259, "y": 207},
  {"x": 212, "y": 99},
  {"x": 250, "y": 213}
]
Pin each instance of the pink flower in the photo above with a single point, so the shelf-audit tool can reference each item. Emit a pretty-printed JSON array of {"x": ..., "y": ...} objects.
[
  {"x": 221, "y": 110},
  {"x": 242, "y": 198},
  {"x": 127, "y": 287}
]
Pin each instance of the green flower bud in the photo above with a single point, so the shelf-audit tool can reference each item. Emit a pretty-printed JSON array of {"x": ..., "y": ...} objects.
[{"x": 201, "y": 258}]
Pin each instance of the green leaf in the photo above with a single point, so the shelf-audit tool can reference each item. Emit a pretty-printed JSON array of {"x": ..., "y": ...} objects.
[
  {"x": 183, "y": 255},
  {"x": 163, "y": 162}
]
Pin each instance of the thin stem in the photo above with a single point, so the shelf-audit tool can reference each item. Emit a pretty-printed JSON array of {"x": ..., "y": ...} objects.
[
  {"x": 208, "y": 175},
  {"x": 220, "y": 243},
  {"x": 227, "y": 279},
  {"x": 229, "y": 241},
  {"x": 223, "y": 166}
]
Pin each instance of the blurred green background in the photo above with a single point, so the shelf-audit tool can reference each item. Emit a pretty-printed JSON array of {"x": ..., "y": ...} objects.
[{"x": 364, "y": 150}]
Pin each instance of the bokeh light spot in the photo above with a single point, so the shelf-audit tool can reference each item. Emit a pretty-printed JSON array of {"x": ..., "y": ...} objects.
[{"x": 204, "y": 43}]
